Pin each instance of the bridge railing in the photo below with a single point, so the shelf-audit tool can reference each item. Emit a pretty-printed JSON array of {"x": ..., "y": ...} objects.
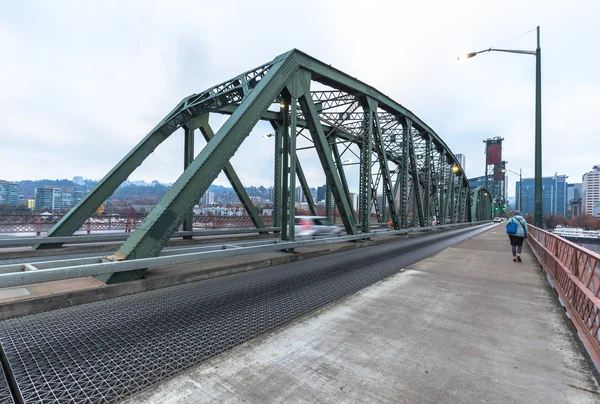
[
  {"x": 575, "y": 275},
  {"x": 41, "y": 224}
]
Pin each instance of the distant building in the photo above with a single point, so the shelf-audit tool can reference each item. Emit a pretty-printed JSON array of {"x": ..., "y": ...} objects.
[
  {"x": 9, "y": 193},
  {"x": 207, "y": 199},
  {"x": 462, "y": 160},
  {"x": 576, "y": 207},
  {"x": 56, "y": 199},
  {"x": 477, "y": 182},
  {"x": 573, "y": 192},
  {"x": 31, "y": 204},
  {"x": 597, "y": 210},
  {"x": 142, "y": 208},
  {"x": 78, "y": 180},
  {"x": 554, "y": 195},
  {"x": 354, "y": 200},
  {"x": 300, "y": 197},
  {"x": 590, "y": 190},
  {"x": 321, "y": 192}
]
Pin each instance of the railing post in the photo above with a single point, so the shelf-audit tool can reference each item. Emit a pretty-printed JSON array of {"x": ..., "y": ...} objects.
[
  {"x": 88, "y": 225},
  {"x": 38, "y": 225},
  {"x": 128, "y": 225}
]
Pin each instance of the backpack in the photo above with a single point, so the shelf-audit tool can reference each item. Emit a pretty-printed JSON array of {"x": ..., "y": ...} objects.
[{"x": 511, "y": 227}]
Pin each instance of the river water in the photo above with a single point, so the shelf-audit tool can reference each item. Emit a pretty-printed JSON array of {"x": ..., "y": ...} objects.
[{"x": 593, "y": 247}]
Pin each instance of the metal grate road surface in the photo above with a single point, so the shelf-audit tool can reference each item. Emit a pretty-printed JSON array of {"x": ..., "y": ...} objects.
[
  {"x": 5, "y": 395},
  {"x": 104, "y": 351}
]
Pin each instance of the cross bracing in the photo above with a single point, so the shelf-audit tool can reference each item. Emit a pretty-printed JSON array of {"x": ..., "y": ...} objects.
[{"x": 407, "y": 175}]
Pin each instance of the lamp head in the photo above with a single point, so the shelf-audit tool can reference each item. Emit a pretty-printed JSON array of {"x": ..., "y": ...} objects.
[{"x": 466, "y": 56}]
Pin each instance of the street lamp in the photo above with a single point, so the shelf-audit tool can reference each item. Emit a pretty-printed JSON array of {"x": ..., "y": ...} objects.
[
  {"x": 520, "y": 186},
  {"x": 538, "y": 118}
]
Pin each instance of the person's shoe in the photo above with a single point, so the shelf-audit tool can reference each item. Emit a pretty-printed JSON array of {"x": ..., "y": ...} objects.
[
  {"x": 514, "y": 259},
  {"x": 519, "y": 258}
]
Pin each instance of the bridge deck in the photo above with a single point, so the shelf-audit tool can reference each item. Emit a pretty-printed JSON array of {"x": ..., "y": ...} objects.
[{"x": 466, "y": 325}]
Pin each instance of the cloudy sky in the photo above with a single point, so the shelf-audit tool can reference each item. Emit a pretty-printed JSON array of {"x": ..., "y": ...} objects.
[{"x": 82, "y": 82}]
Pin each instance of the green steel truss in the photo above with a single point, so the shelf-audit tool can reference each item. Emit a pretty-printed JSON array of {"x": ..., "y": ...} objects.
[{"x": 406, "y": 174}]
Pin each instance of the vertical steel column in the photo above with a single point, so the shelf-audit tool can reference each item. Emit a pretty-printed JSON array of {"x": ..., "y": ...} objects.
[
  {"x": 188, "y": 157},
  {"x": 292, "y": 170},
  {"x": 364, "y": 193},
  {"x": 278, "y": 176},
  {"x": 427, "y": 192},
  {"x": 416, "y": 183},
  {"x": 406, "y": 133},
  {"x": 328, "y": 213},
  {"x": 441, "y": 187},
  {"x": 461, "y": 203},
  {"x": 285, "y": 190},
  {"x": 451, "y": 199}
]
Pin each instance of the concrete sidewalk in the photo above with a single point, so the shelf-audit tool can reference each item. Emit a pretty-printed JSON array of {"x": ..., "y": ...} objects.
[{"x": 464, "y": 326}]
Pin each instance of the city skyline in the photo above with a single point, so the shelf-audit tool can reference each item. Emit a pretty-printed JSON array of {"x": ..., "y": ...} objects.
[{"x": 84, "y": 114}]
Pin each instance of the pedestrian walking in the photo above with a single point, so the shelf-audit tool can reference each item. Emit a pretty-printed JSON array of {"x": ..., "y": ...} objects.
[{"x": 516, "y": 228}]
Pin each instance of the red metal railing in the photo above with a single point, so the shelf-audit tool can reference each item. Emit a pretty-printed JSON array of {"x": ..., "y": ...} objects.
[
  {"x": 575, "y": 274},
  {"x": 41, "y": 224}
]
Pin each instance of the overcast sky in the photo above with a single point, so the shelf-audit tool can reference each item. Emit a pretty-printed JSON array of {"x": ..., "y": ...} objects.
[{"x": 82, "y": 82}]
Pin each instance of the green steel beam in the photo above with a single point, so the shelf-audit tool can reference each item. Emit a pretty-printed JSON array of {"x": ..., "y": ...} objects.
[
  {"x": 188, "y": 157},
  {"x": 404, "y": 202},
  {"x": 149, "y": 239},
  {"x": 285, "y": 161},
  {"x": 364, "y": 192},
  {"x": 292, "y": 170},
  {"x": 427, "y": 191},
  {"x": 417, "y": 194},
  {"x": 277, "y": 180},
  {"x": 229, "y": 92},
  {"x": 72, "y": 220},
  {"x": 325, "y": 155}
]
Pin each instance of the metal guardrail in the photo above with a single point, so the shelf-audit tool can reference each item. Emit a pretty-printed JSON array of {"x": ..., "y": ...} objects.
[
  {"x": 103, "y": 238},
  {"x": 23, "y": 274},
  {"x": 43, "y": 223},
  {"x": 575, "y": 275}
]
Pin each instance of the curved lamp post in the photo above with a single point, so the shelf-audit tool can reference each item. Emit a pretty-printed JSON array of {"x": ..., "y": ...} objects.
[{"x": 538, "y": 118}]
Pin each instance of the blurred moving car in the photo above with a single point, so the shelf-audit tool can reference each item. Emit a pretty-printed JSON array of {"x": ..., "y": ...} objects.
[
  {"x": 308, "y": 226},
  {"x": 497, "y": 220}
]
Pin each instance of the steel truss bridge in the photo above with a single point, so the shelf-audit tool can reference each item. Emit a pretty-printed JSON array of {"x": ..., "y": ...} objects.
[{"x": 407, "y": 174}]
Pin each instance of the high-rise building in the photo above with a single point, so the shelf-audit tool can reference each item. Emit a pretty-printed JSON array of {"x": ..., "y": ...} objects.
[
  {"x": 462, "y": 160},
  {"x": 573, "y": 192},
  {"x": 78, "y": 180},
  {"x": 207, "y": 199},
  {"x": 9, "y": 193},
  {"x": 300, "y": 197},
  {"x": 554, "y": 195},
  {"x": 56, "y": 199},
  {"x": 321, "y": 191},
  {"x": 590, "y": 190}
]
